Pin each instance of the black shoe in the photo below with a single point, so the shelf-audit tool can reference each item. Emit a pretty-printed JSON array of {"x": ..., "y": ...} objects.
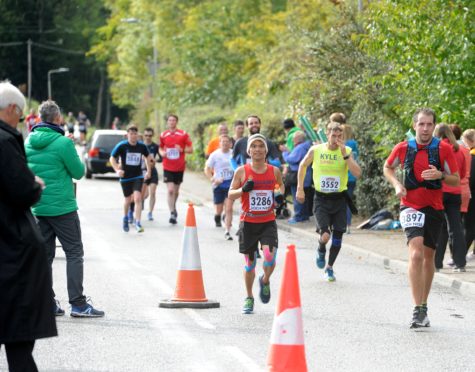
[
  {"x": 57, "y": 309},
  {"x": 228, "y": 236},
  {"x": 419, "y": 317},
  {"x": 173, "y": 217}
]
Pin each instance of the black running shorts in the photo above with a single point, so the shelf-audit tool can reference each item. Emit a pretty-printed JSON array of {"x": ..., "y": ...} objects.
[
  {"x": 251, "y": 234},
  {"x": 432, "y": 227}
]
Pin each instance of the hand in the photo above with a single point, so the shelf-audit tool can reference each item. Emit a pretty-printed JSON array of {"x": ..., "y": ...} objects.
[
  {"x": 248, "y": 186},
  {"x": 120, "y": 173},
  {"x": 283, "y": 148},
  {"x": 217, "y": 181},
  {"x": 342, "y": 146},
  {"x": 400, "y": 191},
  {"x": 431, "y": 174},
  {"x": 179, "y": 148},
  {"x": 41, "y": 182},
  {"x": 147, "y": 175},
  {"x": 300, "y": 195}
]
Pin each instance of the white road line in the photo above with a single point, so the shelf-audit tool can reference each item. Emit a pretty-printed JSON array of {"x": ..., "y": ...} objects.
[
  {"x": 247, "y": 362},
  {"x": 198, "y": 319}
]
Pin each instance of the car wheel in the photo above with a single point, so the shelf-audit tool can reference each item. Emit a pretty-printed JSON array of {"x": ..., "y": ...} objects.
[{"x": 88, "y": 173}]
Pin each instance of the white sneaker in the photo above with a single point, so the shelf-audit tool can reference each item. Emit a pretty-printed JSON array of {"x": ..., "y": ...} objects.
[
  {"x": 451, "y": 263},
  {"x": 471, "y": 256}
]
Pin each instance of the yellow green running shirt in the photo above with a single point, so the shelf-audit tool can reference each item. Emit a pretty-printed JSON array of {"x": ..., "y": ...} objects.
[{"x": 330, "y": 171}]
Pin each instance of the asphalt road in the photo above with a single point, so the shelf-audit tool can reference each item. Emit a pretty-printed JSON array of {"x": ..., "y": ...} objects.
[{"x": 358, "y": 323}]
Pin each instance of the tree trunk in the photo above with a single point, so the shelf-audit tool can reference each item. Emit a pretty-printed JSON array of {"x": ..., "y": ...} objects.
[{"x": 100, "y": 94}]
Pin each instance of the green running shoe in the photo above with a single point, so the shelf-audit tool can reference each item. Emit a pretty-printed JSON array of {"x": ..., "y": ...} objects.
[{"x": 248, "y": 307}]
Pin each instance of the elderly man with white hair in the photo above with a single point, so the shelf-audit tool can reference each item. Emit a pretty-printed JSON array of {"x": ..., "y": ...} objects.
[{"x": 26, "y": 306}]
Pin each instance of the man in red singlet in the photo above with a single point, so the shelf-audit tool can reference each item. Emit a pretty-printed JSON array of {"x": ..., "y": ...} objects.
[
  {"x": 426, "y": 163},
  {"x": 174, "y": 144},
  {"x": 254, "y": 183}
]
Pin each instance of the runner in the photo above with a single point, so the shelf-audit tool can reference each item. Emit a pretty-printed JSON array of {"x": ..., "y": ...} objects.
[
  {"x": 330, "y": 162},
  {"x": 174, "y": 144},
  {"x": 426, "y": 162},
  {"x": 218, "y": 169},
  {"x": 150, "y": 185},
  {"x": 254, "y": 184},
  {"x": 131, "y": 152}
]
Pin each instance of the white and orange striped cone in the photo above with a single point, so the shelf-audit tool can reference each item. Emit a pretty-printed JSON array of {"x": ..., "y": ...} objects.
[
  {"x": 189, "y": 289},
  {"x": 287, "y": 349}
]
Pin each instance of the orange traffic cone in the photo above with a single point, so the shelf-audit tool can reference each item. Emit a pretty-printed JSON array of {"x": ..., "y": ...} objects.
[
  {"x": 189, "y": 289},
  {"x": 287, "y": 350}
]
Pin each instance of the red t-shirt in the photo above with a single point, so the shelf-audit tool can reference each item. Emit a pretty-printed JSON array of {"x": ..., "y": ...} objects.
[
  {"x": 423, "y": 197},
  {"x": 462, "y": 169},
  {"x": 174, "y": 161},
  {"x": 258, "y": 204}
]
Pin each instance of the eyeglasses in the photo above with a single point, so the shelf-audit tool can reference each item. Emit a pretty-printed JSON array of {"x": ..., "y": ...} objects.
[{"x": 19, "y": 112}]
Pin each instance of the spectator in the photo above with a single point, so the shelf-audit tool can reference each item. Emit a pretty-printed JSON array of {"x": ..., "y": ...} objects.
[
  {"x": 350, "y": 142},
  {"x": 26, "y": 309},
  {"x": 290, "y": 130},
  {"x": 468, "y": 138},
  {"x": 452, "y": 201},
  {"x": 300, "y": 149},
  {"x": 32, "y": 119},
  {"x": 53, "y": 157}
]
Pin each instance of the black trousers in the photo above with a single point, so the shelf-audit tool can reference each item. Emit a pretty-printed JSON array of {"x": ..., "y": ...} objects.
[
  {"x": 452, "y": 231},
  {"x": 469, "y": 221},
  {"x": 20, "y": 357}
]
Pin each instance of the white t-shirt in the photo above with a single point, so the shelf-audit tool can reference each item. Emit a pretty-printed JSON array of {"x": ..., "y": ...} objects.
[{"x": 220, "y": 162}]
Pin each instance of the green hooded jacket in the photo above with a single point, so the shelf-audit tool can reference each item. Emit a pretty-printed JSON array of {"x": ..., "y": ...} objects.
[{"x": 54, "y": 159}]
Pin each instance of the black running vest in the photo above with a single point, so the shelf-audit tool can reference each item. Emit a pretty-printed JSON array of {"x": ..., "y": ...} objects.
[{"x": 410, "y": 181}]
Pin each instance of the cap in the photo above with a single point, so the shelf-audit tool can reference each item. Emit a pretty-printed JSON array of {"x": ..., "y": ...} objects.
[{"x": 256, "y": 137}]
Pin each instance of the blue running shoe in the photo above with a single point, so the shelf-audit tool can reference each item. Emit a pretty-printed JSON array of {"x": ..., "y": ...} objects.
[
  {"x": 329, "y": 275},
  {"x": 125, "y": 224},
  {"x": 321, "y": 259},
  {"x": 130, "y": 216},
  {"x": 85, "y": 311},
  {"x": 264, "y": 293},
  {"x": 248, "y": 307},
  {"x": 138, "y": 227}
]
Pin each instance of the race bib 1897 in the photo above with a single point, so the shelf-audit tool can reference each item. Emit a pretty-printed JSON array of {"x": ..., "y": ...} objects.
[
  {"x": 133, "y": 158},
  {"x": 411, "y": 218},
  {"x": 173, "y": 153},
  {"x": 329, "y": 183},
  {"x": 261, "y": 200}
]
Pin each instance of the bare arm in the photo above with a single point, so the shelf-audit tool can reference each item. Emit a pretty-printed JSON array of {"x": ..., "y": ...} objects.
[
  {"x": 235, "y": 190},
  {"x": 390, "y": 174},
  {"x": 116, "y": 166},
  {"x": 433, "y": 173}
]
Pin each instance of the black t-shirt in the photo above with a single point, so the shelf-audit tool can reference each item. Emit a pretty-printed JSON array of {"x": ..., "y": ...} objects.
[
  {"x": 240, "y": 155},
  {"x": 131, "y": 158},
  {"x": 153, "y": 149}
]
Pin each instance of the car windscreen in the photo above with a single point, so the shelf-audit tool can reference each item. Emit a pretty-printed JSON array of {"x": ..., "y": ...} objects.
[{"x": 108, "y": 141}]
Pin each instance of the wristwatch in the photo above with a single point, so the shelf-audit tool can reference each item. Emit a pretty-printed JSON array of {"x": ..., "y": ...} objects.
[{"x": 346, "y": 157}]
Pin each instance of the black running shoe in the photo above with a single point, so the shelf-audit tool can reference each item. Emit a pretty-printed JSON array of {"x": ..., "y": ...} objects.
[{"x": 419, "y": 318}]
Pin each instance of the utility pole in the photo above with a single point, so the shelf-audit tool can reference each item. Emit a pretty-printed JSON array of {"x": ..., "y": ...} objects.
[{"x": 29, "y": 42}]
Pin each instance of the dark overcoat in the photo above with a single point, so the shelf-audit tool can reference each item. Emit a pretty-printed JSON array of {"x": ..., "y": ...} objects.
[{"x": 26, "y": 298}]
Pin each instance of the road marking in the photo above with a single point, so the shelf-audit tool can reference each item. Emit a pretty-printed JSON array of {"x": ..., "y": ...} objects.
[
  {"x": 242, "y": 357},
  {"x": 198, "y": 319}
]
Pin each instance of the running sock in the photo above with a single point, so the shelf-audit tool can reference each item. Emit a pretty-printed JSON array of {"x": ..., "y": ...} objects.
[
  {"x": 322, "y": 247},
  {"x": 333, "y": 255}
]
